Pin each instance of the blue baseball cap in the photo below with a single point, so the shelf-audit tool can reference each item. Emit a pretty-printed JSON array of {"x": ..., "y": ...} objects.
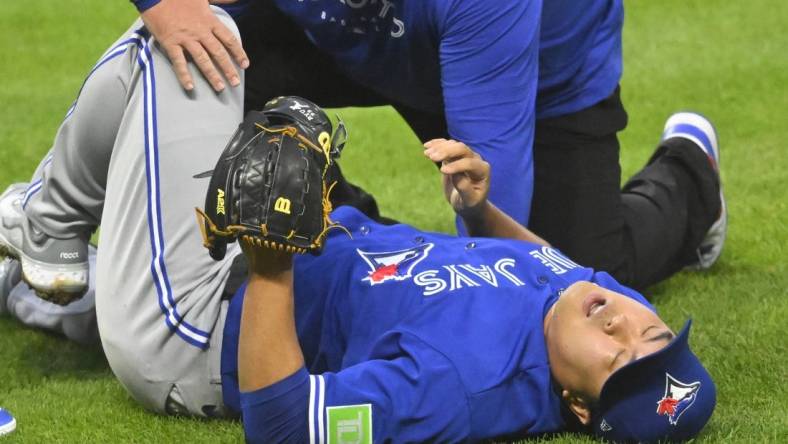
[{"x": 665, "y": 396}]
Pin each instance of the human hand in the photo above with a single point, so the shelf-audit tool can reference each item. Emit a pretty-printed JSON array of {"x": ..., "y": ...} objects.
[
  {"x": 189, "y": 26},
  {"x": 466, "y": 176},
  {"x": 267, "y": 263}
]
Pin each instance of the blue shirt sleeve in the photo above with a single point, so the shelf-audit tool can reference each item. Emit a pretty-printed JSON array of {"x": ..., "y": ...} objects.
[
  {"x": 277, "y": 413},
  {"x": 143, "y": 5},
  {"x": 234, "y": 9},
  {"x": 409, "y": 393},
  {"x": 489, "y": 72}
]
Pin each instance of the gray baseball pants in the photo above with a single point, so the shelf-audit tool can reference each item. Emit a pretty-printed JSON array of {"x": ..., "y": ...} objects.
[{"x": 125, "y": 158}]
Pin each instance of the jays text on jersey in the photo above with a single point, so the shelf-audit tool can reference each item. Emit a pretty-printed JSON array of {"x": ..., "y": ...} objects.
[{"x": 414, "y": 337}]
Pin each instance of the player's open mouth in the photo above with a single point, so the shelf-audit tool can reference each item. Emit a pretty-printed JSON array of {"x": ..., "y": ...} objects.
[{"x": 593, "y": 304}]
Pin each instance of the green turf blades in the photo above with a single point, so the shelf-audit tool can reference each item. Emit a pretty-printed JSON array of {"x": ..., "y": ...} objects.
[{"x": 723, "y": 58}]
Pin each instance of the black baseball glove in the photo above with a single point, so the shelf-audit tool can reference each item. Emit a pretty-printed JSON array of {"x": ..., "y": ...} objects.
[{"x": 269, "y": 186}]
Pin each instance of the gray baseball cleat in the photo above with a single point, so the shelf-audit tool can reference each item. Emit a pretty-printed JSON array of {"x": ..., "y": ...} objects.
[
  {"x": 699, "y": 130},
  {"x": 50, "y": 265}
]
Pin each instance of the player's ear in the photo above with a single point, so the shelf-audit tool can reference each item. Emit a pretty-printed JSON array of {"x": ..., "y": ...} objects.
[{"x": 577, "y": 405}]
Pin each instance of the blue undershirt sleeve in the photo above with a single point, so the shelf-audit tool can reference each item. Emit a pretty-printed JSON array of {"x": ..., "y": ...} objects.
[
  {"x": 277, "y": 413},
  {"x": 489, "y": 73}
]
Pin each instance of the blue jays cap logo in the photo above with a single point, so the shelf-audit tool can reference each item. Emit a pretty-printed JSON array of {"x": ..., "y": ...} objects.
[
  {"x": 393, "y": 265},
  {"x": 678, "y": 398}
]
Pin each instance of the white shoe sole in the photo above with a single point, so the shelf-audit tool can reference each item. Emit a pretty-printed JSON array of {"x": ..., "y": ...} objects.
[
  {"x": 47, "y": 278},
  {"x": 719, "y": 228}
]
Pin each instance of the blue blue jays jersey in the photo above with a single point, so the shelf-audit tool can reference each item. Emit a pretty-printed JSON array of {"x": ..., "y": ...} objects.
[
  {"x": 473, "y": 61},
  {"x": 401, "y": 49},
  {"x": 417, "y": 337}
]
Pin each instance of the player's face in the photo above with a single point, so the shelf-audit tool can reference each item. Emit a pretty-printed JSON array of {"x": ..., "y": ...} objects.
[{"x": 592, "y": 331}]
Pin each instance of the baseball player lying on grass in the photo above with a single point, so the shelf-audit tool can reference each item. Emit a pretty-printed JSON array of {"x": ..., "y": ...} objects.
[
  {"x": 395, "y": 334},
  {"x": 464, "y": 315}
]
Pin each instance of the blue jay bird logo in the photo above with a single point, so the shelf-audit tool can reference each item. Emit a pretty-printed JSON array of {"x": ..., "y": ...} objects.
[
  {"x": 678, "y": 398},
  {"x": 393, "y": 265}
]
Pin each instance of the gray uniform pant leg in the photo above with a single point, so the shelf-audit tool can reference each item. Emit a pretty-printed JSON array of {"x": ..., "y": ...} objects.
[
  {"x": 65, "y": 196},
  {"x": 125, "y": 158}
]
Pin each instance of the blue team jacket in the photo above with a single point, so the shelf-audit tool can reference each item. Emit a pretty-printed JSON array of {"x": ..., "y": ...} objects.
[{"x": 493, "y": 67}]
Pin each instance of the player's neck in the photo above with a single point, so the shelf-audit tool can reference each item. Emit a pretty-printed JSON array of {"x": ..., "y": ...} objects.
[{"x": 548, "y": 317}]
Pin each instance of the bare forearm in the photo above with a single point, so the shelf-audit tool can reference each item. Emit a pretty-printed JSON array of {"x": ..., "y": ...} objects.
[
  {"x": 268, "y": 349},
  {"x": 489, "y": 221}
]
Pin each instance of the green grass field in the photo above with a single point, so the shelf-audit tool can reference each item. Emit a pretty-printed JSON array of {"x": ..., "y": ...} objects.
[{"x": 727, "y": 59}]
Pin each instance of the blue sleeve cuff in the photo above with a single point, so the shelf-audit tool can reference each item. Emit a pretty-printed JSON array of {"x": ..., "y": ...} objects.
[
  {"x": 279, "y": 412},
  {"x": 143, "y": 5},
  {"x": 251, "y": 399}
]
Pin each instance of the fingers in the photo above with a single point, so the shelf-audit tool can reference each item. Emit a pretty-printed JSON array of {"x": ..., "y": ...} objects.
[
  {"x": 204, "y": 63},
  {"x": 219, "y": 44},
  {"x": 221, "y": 59},
  {"x": 188, "y": 28},
  {"x": 232, "y": 44},
  {"x": 440, "y": 150},
  {"x": 179, "y": 65},
  {"x": 207, "y": 54},
  {"x": 456, "y": 157},
  {"x": 461, "y": 182},
  {"x": 475, "y": 168},
  {"x": 466, "y": 176}
]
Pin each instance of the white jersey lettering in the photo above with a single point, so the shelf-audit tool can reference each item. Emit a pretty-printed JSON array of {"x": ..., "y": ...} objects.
[
  {"x": 430, "y": 281},
  {"x": 484, "y": 272},
  {"x": 501, "y": 267},
  {"x": 457, "y": 279}
]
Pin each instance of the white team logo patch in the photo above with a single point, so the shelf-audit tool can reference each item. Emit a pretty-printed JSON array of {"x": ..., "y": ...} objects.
[
  {"x": 393, "y": 265},
  {"x": 679, "y": 397}
]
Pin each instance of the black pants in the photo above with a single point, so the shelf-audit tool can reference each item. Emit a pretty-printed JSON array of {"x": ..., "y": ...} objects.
[{"x": 641, "y": 234}]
